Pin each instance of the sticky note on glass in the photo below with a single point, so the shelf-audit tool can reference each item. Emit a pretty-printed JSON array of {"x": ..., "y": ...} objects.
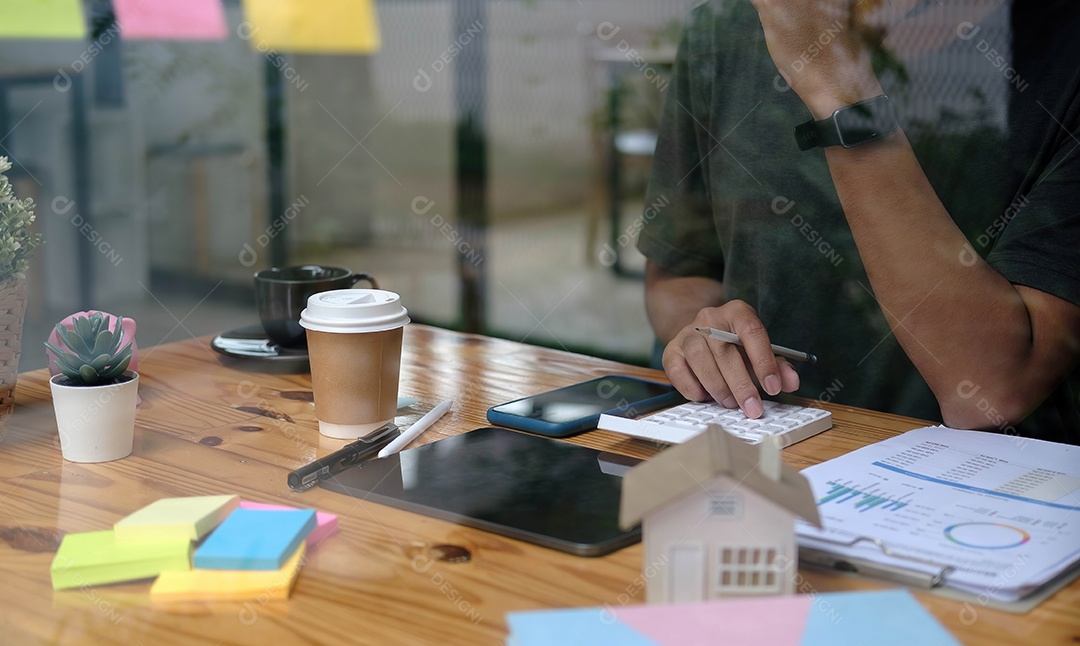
[
  {"x": 42, "y": 19},
  {"x": 171, "y": 19},
  {"x": 326, "y": 524},
  {"x": 228, "y": 585},
  {"x": 255, "y": 539},
  {"x": 93, "y": 558},
  {"x": 192, "y": 518},
  {"x": 325, "y": 27}
]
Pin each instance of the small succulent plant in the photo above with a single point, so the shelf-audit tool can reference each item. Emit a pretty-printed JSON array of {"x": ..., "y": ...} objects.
[{"x": 94, "y": 356}]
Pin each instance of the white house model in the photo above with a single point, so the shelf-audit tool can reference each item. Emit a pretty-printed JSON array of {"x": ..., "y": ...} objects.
[{"x": 718, "y": 518}]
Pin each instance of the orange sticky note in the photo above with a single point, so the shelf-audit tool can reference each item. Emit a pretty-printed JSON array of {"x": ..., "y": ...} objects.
[
  {"x": 42, "y": 19},
  {"x": 229, "y": 585},
  {"x": 325, "y": 27}
]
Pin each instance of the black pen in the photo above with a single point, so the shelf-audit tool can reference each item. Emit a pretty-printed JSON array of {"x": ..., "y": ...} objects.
[{"x": 351, "y": 454}]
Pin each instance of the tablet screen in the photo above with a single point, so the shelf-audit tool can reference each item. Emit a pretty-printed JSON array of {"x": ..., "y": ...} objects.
[{"x": 535, "y": 489}]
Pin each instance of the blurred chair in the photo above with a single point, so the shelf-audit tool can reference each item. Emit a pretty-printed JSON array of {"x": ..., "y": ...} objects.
[{"x": 632, "y": 81}]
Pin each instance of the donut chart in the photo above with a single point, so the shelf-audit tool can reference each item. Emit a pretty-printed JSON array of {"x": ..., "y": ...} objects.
[{"x": 986, "y": 536}]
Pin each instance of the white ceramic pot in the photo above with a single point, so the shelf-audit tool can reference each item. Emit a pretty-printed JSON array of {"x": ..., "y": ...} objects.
[{"x": 96, "y": 423}]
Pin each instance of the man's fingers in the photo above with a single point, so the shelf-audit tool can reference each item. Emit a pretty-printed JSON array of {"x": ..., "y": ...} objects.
[
  {"x": 702, "y": 360},
  {"x": 683, "y": 378},
  {"x": 755, "y": 340},
  {"x": 738, "y": 379},
  {"x": 789, "y": 378}
]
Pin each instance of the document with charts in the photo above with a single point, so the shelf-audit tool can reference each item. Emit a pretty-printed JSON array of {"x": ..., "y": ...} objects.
[{"x": 997, "y": 513}]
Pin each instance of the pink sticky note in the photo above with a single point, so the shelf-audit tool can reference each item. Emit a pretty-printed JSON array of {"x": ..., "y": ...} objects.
[
  {"x": 777, "y": 621},
  {"x": 171, "y": 19},
  {"x": 325, "y": 523}
]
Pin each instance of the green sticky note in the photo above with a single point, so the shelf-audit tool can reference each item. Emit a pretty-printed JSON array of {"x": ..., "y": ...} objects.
[
  {"x": 191, "y": 518},
  {"x": 42, "y": 19},
  {"x": 93, "y": 558}
]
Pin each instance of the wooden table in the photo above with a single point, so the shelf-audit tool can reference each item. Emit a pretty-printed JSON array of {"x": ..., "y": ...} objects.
[{"x": 208, "y": 427}]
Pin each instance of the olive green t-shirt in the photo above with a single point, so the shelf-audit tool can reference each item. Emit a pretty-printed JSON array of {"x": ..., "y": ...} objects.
[{"x": 993, "y": 116}]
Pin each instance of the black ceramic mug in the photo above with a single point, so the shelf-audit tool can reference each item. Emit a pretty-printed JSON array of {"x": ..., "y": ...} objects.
[{"x": 281, "y": 294}]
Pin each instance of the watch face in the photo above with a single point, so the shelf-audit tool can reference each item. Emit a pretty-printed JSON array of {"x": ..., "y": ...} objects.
[{"x": 865, "y": 121}]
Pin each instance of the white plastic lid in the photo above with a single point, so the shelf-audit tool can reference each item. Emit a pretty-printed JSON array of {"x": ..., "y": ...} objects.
[{"x": 349, "y": 311}]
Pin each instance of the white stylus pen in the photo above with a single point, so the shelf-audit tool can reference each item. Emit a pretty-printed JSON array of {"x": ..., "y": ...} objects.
[
  {"x": 778, "y": 350},
  {"x": 416, "y": 429}
]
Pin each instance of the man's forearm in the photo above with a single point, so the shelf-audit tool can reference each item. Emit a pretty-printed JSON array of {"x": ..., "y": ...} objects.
[
  {"x": 673, "y": 301},
  {"x": 957, "y": 318}
]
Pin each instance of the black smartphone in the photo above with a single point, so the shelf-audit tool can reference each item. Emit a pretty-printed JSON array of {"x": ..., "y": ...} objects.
[{"x": 575, "y": 409}]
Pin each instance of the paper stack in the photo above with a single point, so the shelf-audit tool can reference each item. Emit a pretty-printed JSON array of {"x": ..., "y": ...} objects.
[{"x": 987, "y": 513}]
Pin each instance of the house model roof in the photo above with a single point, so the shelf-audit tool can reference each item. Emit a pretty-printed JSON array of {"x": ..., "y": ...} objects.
[{"x": 691, "y": 466}]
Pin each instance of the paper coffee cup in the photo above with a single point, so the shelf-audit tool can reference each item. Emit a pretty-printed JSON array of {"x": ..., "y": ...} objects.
[{"x": 354, "y": 345}]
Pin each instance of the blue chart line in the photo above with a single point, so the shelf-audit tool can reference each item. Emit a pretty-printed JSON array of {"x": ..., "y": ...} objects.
[{"x": 841, "y": 493}]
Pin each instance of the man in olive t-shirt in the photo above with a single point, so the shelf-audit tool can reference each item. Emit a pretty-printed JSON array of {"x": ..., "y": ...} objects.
[{"x": 934, "y": 271}]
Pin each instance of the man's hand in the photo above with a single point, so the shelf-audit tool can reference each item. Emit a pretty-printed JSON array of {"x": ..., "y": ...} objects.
[
  {"x": 822, "y": 48},
  {"x": 702, "y": 368}
]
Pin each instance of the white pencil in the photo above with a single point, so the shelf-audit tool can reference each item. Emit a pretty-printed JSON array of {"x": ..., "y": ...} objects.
[
  {"x": 778, "y": 350},
  {"x": 416, "y": 429}
]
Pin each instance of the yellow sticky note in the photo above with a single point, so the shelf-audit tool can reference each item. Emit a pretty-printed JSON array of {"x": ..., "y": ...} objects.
[
  {"x": 229, "y": 585},
  {"x": 326, "y": 26},
  {"x": 42, "y": 19},
  {"x": 192, "y": 517}
]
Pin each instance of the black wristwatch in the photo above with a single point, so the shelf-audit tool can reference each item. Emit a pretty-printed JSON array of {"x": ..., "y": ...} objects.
[{"x": 850, "y": 126}]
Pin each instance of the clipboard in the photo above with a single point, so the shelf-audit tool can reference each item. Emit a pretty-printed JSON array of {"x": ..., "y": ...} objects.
[{"x": 923, "y": 576}]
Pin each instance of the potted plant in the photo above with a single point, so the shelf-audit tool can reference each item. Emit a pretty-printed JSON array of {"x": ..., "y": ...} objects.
[
  {"x": 17, "y": 244},
  {"x": 95, "y": 393}
]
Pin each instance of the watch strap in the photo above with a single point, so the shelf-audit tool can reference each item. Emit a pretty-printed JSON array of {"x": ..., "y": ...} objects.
[{"x": 849, "y": 126}]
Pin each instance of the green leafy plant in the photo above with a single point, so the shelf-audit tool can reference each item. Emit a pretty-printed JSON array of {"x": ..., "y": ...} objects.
[
  {"x": 17, "y": 243},
  {"x": 96, "y": 357}
]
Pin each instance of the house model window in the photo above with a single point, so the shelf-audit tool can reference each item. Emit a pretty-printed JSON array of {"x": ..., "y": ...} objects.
[
  {"x": 748, "y": 570},
  {"x": 718, "y": 518}
]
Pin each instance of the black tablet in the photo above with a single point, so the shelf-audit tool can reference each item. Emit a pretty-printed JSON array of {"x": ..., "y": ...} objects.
[{"x": 534, "y": 489}]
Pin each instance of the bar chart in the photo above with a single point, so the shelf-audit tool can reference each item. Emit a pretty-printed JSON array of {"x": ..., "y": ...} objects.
[{"x": 863, "y": 498}]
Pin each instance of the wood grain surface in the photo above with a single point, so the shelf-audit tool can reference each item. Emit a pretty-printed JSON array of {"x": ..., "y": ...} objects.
[{"x": 212, "y": 425}]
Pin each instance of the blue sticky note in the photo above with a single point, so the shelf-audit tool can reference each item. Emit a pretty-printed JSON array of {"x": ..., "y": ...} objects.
[
  {"x": 255, "y": 539},
  {"x": 883, "y": 618},
  {"x": 593, "y": 626}
]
